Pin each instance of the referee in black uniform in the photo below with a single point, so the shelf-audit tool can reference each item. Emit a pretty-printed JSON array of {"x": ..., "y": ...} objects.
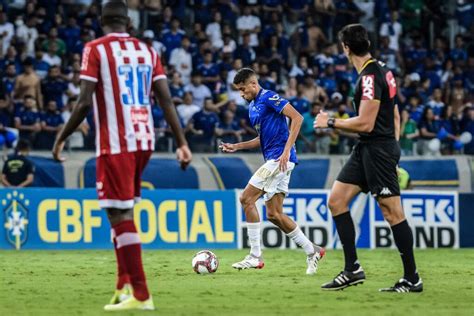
[{"x": 372, "y": 166}]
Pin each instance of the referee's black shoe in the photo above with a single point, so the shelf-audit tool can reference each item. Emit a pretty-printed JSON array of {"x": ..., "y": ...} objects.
[
  {"x": 405, "y": 286},
  {"x": 345, "y": 279}
]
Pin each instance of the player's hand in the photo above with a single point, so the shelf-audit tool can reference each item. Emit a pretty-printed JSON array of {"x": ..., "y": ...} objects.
[
  {"x": 321, "y": 120},
  {"x": 227, "y": 148},
  {"x": 57, "y": 150},
  {"x": 184, "y": 156},
  {"x": 283, "y": 160}
]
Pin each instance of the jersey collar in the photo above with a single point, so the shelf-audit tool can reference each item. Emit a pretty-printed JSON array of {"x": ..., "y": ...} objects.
[
  {"x": 118, "y": 34},
  {"x": 367, "y": 62},
  {"x": 258, "y": 94}
]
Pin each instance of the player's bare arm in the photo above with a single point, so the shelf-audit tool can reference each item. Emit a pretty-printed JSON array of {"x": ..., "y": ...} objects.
[
  {"x": 82, "y": 108},
  {"x": 230, "y": 148},
  {"x": 396, "y": 117},
  {"x": 162, "y": 92},
  {"x": 296, "y": 121},
  {"x": 363, "y": 123}
]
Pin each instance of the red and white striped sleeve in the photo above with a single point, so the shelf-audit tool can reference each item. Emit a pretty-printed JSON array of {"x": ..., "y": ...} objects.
[
  {"x": 158, "y": 71},
  {"x": 90, "y": 66}
]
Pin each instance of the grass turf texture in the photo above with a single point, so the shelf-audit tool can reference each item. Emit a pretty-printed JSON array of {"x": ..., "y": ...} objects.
[{"x": 81, "y": 282}]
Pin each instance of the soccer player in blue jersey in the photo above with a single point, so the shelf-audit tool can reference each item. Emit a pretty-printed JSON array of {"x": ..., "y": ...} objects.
[{"x": 268, "y": 114}]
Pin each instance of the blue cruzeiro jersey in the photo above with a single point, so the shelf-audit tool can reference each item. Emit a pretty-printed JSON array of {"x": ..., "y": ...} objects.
[{"x": 271, "y": 125}]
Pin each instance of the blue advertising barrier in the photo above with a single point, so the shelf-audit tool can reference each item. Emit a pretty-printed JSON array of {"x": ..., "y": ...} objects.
[
  {"x": 72, "y": 219},
  {"x": 184, "y": 219}
]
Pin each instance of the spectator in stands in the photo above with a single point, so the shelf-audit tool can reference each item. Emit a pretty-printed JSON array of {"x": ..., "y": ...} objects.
[
  {"x": 40, "y": 66},
  {"x": 51, "y": 123},
  {"x": 415, "y": 108},
  {"x": 308, "y": 38},
  {"x": 457, "y": 93},
  {"x": 27, "y": 33},
  {"x": 70, "y": 33},
  {"x": 9, "y": 81},
  {"x": 408, "y": 133},
  {"x": 76, "y": 140},
  {"x": 300, "y": 102},
  {"x": 436, "y": 103},
  {"x": 393, "y": 30},
  {"x": 201, "y": 129},
  {"x": 50, "y": 56},
  {"x": 390, "y": 56},
  {"x": 313, "y": 92},
  {"x": 209, "y": 71},
  {"x": 429, "y": 127},
  {"x": 244, "y": 51},
  {"x": 459, "y": 52},
  {"x": 228, "y": 130},
  {"x": 59, "y": 49},
  {"x": 199, "y": 91},
  {"x": 328, "y": 80},
  {"x": 53, "y": 87},
  {"x": 181, "y": 59},
  {"x": 149, "y": 38},
  {"x": 213, "y": 31},
  {"x": 11, "y": 57},
  {"x": 248, "y": 24},
  {"x": 176, "y": 88},
  {"x": 187, "y": 109},
  {"x": 27, "y": 119},
  {"x": 74, "y": 86},
  {"x": 307, "y": 138},
  {"x": 467, "y": 125},
  {"x": 301, "y": 69},
  {"x": 232, "y": 92},
  {"x": 7, "y": 31},
  {"x": 450, "y": 123},
  {"x": 7, "y": 136},
  {"x": 18, "y": 171},
  {"x": 28, "y": 84},
  {"x": 172, "y": 38}
]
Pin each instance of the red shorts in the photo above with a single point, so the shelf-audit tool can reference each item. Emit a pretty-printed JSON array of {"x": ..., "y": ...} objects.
[{"x": 119, "y": 178}]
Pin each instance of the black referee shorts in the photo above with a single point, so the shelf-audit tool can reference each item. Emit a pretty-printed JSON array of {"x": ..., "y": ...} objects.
[{"x": 373, "y": 167}]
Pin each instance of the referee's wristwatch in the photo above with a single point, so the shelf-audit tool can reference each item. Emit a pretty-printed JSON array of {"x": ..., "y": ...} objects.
[{"x": 331, "y": 122}]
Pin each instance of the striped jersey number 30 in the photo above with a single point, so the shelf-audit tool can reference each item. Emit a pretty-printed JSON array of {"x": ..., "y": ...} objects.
[{"x": 127, "y": 75}]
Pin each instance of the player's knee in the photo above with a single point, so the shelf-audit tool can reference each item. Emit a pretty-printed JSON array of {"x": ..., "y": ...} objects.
[
  {"x": 273, "y": 216},
  {"x": 245, "y": 201},
  {"x": 336, "y": 205}
]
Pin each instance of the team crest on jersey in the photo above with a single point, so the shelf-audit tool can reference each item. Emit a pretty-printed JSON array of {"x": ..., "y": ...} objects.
[
  {"x": 16, "y": 218},
  {"x": 368, "y": 87}
]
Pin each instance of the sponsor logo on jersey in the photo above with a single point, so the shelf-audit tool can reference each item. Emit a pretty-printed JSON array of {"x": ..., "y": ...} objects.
[
  {"x": 139, "y": 115},
  {"x": 85, "y": 57},
  {"x": 368, "y": 87}
]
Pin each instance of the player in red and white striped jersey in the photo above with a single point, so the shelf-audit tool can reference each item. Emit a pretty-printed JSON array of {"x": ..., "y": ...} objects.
[{"x": 117, "y": 75}]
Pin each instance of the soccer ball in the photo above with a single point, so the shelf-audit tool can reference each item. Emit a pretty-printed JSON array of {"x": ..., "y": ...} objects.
[{"x": 205, "y": 262}]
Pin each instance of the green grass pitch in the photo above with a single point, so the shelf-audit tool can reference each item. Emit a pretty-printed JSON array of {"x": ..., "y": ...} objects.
[{"x": 81, "y": 282}]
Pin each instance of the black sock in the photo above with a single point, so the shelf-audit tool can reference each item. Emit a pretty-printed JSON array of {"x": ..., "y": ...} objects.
[
  {"x": 345, "y": 229},
  {"x": 403, "y": 237}
]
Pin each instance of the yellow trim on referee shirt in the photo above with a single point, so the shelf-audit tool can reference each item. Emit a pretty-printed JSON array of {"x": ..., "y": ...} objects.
[
  {"x": 367, "y": 62},
  {"x": 215, "y": 172},
  {"x": 435, "y": 182}
]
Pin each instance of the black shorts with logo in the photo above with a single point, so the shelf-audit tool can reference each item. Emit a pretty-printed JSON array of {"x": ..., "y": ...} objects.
[{"x": 373, "y": 167}]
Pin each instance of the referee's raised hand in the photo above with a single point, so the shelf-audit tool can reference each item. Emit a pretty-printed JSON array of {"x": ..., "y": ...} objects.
[{"x": 321, "y": 120}]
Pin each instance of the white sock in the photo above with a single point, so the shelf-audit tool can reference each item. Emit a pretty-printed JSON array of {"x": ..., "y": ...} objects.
[
  {"x": 253, "y": 231},
  {"x": 301, "y": 240}
]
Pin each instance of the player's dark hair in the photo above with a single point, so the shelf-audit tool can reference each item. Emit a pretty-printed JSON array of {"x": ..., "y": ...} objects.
[
  {"x": 356, "y": 38},
  {"x": 114, "y": 12},
  {"x": 243, "y": 75}
]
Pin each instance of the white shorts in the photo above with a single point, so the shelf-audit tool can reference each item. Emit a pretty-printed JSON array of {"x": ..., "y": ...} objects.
[{"x": 270, "y": 179}]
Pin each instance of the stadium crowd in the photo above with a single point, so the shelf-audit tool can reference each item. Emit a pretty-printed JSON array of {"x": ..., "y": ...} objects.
[{"x": 291, "y": 44}]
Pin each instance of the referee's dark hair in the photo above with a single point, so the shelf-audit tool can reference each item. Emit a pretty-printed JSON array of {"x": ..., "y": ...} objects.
[
  {"x": 356, "y": 38},
  {"x": 243, "y": 75}
]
